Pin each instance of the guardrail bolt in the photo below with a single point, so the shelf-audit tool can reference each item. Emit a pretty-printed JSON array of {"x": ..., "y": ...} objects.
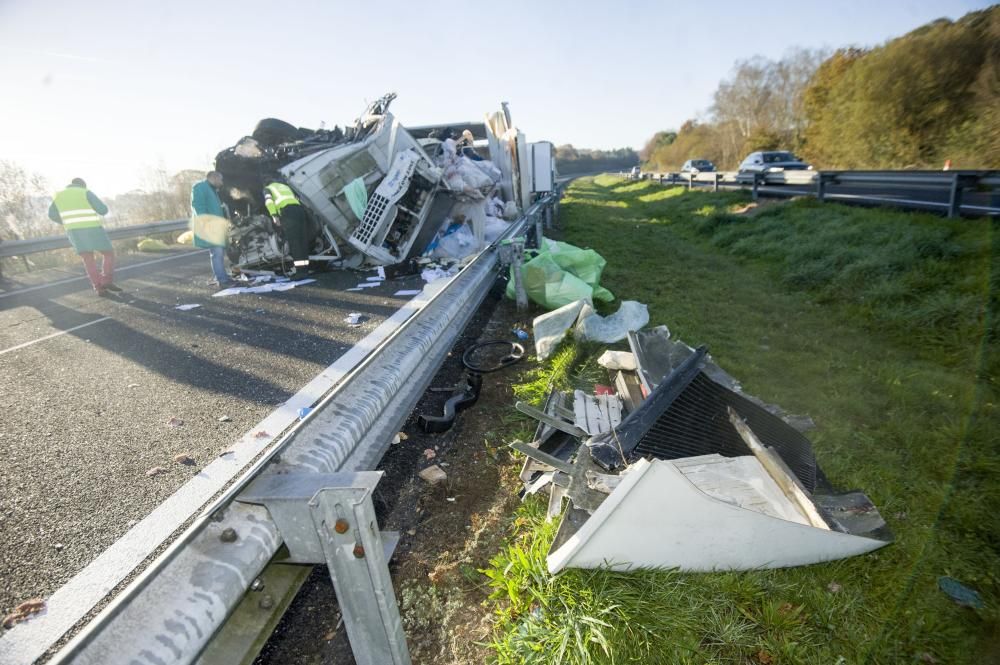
[
  {"x": 266, "y": 602},
  {"x": 228, "y": 536},
  {"x": 257, "y": 585},
  {"x": 341, "y": 526},
  {"x": 359, "y": 551},
  {"x": 218, "y": 515}
]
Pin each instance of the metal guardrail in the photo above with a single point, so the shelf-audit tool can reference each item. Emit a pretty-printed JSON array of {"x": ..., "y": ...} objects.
[
  {"x": 950, "y": 186},
  {"x": 172, "y": 610},
  {"x": 10, "y": 248}
]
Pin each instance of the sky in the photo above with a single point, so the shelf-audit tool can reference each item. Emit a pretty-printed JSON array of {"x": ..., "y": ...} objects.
[{"x": 114, "y": 91}]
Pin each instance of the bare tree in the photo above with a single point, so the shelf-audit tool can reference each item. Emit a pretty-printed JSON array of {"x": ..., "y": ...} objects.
[{"x": 22, "y": 203}]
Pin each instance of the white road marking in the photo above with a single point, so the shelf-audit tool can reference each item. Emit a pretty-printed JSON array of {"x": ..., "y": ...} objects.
[
  {"x": 28, "y": 641},
  {"x": 118, "y": 269},
  {"x": 55, "y": 334}
]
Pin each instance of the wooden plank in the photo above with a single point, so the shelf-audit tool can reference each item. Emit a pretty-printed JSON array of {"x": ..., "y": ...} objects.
[
  {"x": 552, "y": 421},
  {"x": 787, "y": 484}
]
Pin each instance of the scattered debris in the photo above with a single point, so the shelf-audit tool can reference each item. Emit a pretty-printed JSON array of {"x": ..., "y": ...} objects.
[
  {"x": 281, "y": 284},
  {"x": 403, "y": 436},
  {"x": 833, "y": 587},
  {"x": 304, "y": 411},
  {"x": 355, "y": 319},
  {"x": 261, "y": 434},
  {"x": 58, "y": 547},
  {"x": 224, "y": 419},
  {"x": 617, "y": 360},
  {"x": 463, "y": 395},
  {"x": 435, "y": 273},
  {"x": 184, "y": 458},
  {"x": 690, "y": 438},
  {"x": 175, "y": 422},
  {"x": 186, "y": 308},
  {"x": 132, "y": 385},
  {"x": 450, "y": 498},
  {"x": 429, "y": 454},
  {"x": 23, "y": 612},
  {"x": 472, "y": 358},
  {"x": 155, "y": 471},
  {"x": 407, "y": 292},
  {"x": 433, "y": 474},
  {"x": 960, "y": 593}
]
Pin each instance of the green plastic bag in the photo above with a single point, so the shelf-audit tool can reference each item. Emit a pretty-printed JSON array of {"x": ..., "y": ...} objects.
[
  {"x": 560, "y": 274},
  {"x": 584, "y": 263}
]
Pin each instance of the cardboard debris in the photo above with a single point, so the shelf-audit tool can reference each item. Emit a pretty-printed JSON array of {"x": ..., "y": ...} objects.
[
  {"x": 23, "y": 612},
  {"x": 433, "y": 474}
]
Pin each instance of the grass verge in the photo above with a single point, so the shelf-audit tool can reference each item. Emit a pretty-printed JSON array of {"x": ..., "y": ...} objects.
[{"x": 882, "y": 326}]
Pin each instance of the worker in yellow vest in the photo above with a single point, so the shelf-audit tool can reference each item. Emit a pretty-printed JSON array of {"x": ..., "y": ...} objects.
[
  {"x": 81, "y": 213},
  {"x": 288, "y": 213}
]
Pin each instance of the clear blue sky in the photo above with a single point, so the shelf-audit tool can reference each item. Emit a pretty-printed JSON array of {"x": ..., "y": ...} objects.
[{"x": 110, "y": 90}]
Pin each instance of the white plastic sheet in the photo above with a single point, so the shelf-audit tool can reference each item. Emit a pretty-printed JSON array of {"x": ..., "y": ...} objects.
[{"x": 551, "y": 328}]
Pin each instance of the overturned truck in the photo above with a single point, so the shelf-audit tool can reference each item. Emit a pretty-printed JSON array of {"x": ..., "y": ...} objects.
[{"x": 378, "y": 193}]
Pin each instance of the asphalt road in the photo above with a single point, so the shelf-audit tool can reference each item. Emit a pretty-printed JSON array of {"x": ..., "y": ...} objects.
[{"x": 92, "y": 389}]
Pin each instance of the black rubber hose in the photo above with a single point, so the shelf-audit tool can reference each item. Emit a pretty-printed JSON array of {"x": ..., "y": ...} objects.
[{"x": 516, "y": 354}]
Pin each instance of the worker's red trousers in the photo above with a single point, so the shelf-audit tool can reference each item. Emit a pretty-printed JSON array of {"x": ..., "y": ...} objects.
[{"x": 99, "y": 279}]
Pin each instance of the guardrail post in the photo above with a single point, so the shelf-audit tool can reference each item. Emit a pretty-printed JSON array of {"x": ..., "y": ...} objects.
[
  {"x": 345, "y": 519},
  {"x": 512, "y": 254},
  {"x": 756, "y": 183},
  {"x": 690, "y": 181},
  {"x": 955, "y": 199},
  {"x": 715, "y": 188},
  {"x": 330, "y": 518},
  {"x": 820, "y": 186}
]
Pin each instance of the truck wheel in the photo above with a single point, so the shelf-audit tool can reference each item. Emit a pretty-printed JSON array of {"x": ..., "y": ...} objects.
[{"x": 271, "y": 131}]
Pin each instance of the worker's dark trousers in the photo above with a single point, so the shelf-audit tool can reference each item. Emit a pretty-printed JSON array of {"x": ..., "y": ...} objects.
[{"x": 296, "y": 226}]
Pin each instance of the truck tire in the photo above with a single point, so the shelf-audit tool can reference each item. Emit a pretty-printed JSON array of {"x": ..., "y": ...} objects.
[{"x": 271, "y": 131}]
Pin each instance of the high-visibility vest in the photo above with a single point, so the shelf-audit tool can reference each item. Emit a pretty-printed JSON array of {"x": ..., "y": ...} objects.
[
  {"x": 75, "y": 210},
  {"x": 277, "y": 196}
]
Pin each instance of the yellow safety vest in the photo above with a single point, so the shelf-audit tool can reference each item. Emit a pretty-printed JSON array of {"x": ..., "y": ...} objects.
[
  {"x": 75, "y": 210},
  {"x": 278, "y": 196}
]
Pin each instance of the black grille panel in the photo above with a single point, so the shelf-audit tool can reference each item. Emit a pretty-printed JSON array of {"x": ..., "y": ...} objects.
[{"x": 697, "y": 423}]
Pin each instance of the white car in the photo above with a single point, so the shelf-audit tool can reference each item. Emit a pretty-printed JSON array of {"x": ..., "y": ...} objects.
[
  {"x": 772, "y": 161},
  {"x": 697, "y": 166}
]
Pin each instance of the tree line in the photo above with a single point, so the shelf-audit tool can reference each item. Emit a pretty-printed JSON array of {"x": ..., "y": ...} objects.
[
  {"x": 929, "y": 96},
  {"x": 570, "y": 160}
]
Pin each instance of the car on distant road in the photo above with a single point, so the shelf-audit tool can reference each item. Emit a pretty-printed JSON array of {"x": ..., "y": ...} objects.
[
  {"x": 697, "y": 166},
  {"x": 771, "y": 161}
]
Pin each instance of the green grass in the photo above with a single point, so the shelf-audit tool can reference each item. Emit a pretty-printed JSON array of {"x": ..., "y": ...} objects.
[{"x": 880, "y": 325}]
